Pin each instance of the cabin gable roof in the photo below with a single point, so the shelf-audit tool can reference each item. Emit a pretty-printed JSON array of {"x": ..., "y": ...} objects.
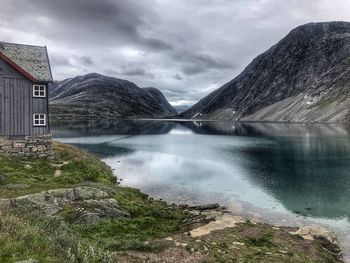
[{"x": 31, "y": 61}]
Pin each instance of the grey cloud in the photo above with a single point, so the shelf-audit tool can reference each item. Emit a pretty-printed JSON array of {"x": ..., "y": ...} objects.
[
  {"x": 187, "y": 48},
  {"x": 199, "y": 63},
  {"x": 85, "y": 60},
  {"x": 59, "y": 60},
  {"x": 133, "y": 71},
  {"x": 129, "y": 70},
  {"x": 97, "y": 22},
  {"x": 178, "y": 77},
  {"x": 157, "y": 44}
]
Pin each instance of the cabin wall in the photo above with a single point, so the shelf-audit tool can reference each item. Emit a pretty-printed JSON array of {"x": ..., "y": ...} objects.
[{"x": 17, "y": 104}]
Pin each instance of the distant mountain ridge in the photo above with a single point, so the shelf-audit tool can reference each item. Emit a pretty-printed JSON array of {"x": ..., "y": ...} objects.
[
  {"x": 97, "y": 96},
  {"x": 182, "y": 108},
  {"x": 303, "y": 78}
]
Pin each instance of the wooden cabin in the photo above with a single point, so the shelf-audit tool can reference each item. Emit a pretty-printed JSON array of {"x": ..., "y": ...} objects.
[{"x": 24, "y": 77}]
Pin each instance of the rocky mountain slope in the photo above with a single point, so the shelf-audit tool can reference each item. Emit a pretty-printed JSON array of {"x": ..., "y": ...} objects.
[
  {"x": 158, "y": 96},
  {"x": 97, "y": 96},
  {"x": 303, "y": 78}
]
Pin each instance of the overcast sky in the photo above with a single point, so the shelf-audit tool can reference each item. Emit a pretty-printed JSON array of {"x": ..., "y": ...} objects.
[{"x": 186, "y": 48}]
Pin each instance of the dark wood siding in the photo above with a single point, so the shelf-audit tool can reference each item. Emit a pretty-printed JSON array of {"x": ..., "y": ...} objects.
[
  {"x": 17, "y": 104},
  {"x": 2, "y": 112}
]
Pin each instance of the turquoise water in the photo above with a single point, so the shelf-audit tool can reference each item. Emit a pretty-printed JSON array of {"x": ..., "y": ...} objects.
[{"x": 286, "y": 174}]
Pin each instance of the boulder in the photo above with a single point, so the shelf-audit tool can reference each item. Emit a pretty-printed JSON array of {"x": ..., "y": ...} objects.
[{"x": 91, "y": 204}]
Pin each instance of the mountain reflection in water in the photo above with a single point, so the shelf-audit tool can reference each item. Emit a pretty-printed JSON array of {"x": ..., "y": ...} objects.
[{"x": 302, "y": 169}]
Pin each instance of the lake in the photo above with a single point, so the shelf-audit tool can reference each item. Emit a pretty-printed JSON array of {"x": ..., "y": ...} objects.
[{"x": 285, "y": 174}]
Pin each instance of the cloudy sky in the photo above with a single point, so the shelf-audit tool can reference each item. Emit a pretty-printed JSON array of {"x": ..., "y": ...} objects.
[{"x": 186, "y": 48}]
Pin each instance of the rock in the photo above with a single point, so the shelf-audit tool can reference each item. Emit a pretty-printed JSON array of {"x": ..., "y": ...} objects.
[
  {"x": 327, "y": 239},
  {"x": 19, "y": 145},
  {"x": 221, "y": 222},
  {"x": 311, "y": 233},
  {"x": 238, "y": 243},
  {"x": 87, "y": 218},
  {"x": 17, "y": 186},
  {"x": 34, "y": 149},
  {"x": 97, "y": 209},
  {"x": 41, "y": 148},
  {"x": 28, "y": 261},
  {"x": 57, "y": 173},
  {"x": 50, "y": 202},
  {"x": 28, "y": 167},
  {"x": 37, "y": 146},
  {"x": 204, "y": 207},
  {"x": 332, "y": 246},
  {"x": 91, "y": 204}
]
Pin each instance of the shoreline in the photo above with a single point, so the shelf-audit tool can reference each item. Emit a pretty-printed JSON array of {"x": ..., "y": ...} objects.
[
  {"x": 99, "y": 219},
  {"x": 59, "y": 119},
  {"x": 307, "y": 228}
]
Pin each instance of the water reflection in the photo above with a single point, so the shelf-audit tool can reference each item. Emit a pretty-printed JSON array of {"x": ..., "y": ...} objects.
[
  {"x": 263, "y": 129},
  {"x": 104, "y": 150},
  {"x": 106, "y": 127},
  {"x": 309, "y": 176},
  {"x": 298, "y": 167}
]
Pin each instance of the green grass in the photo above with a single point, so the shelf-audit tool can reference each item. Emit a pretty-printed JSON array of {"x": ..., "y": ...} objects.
[
  {"x": 149, "y": 219},
  {"x": 38, "y": 175},
  {"x": 43, "y": 239},
  {"x": 263, "y": 240}
]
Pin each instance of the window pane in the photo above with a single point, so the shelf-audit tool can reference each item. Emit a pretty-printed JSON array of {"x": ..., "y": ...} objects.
[
  {"x": 39, "y": 91},
  {"x": 39, "y": 119}
]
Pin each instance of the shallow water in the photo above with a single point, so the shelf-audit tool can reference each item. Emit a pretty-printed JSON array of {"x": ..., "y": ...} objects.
[{"x": 286, "y": 174}]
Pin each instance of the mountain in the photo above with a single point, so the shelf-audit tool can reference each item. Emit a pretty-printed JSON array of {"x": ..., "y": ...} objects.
[
  {"x": 182, "y": 108},
  {"x": 158, "y": 96},
  {"x": 303, "y": 78},
  {"x": 97, "y": 96}
]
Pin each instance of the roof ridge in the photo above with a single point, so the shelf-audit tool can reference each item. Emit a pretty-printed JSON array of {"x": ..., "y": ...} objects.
[{"x": 28, "y": 45}]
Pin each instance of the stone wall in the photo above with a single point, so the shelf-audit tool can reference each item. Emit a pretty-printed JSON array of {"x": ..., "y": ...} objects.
[{"x": 39, "y": 146}]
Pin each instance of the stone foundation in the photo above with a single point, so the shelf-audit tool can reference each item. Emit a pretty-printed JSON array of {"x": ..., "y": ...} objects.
[{"x": 39, "y": 146}]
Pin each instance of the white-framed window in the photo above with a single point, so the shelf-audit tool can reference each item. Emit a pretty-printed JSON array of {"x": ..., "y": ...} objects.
[
  {"x": 39, "y": 91},
  {"x": 39, "y": 119}
]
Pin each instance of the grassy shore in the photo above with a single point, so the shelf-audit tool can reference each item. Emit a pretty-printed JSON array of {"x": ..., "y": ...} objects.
[{"x": 146, "y": 230}]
